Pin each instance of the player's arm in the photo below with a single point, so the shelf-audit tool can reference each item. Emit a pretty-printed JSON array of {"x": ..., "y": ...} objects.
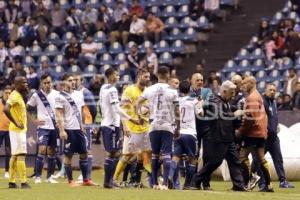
[
  {"x": 124, "y": 116},
  {"x": 59, "y": 116},
  {"x": 31, "y": 106},
  {"x": 199, "y": 108},
  {"x": 141, "y": 100},
  {"x": 177, "y": 119},
  {"x": 10, "y": 117}
]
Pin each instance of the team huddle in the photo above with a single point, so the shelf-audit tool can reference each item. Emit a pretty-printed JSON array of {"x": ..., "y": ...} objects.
[{"x": 156, "y": 128}]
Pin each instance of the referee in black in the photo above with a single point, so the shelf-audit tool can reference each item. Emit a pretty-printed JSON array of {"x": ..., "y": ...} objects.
[{"x": 221, "y": 145}]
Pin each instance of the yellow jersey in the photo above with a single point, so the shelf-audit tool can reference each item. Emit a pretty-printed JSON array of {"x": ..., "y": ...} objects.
[
  {"x": 18, "y": 111},
  {"x": 129, "y": 99}
]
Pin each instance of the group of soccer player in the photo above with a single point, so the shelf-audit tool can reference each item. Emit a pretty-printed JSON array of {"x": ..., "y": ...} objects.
[{"x": 154, "y": 124}]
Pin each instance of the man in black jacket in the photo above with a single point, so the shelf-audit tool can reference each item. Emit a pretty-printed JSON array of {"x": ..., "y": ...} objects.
[
  {"x": 221, "y": 143},
  {"x": 272, "y": 144}
]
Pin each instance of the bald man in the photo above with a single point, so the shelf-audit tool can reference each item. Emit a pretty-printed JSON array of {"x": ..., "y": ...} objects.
[{"x": 254, "y": 132}]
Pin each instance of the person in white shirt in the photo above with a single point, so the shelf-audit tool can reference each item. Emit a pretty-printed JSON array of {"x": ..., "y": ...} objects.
[
  {"x": 187, "y": 142},
  {"x": 137, "y": 30},
  {"x": 89, "y": 50},
  {"x": 165, "y": 123},
  {"x": 3, "y": 55},
  {"x": 151, "y": 59},
  {"x": 110, "y": 124},
  {"x": 68, "y": 110},
  {"x": 44, "y": 101}
]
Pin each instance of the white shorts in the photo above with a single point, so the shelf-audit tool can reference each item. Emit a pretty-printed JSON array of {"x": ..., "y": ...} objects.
[
  {"x": 18, "y": 142},
  {"x": 136, "y": 143}
]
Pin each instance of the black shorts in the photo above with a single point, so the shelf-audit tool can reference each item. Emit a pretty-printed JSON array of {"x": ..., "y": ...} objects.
[
  {"x": 253, "y": 142},
  {"x": 76, "y": 142}
]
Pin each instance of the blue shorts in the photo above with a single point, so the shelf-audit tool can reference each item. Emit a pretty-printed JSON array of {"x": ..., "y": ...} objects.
[
  {"x": 185, "y": 144},
  {"x": 89, "y": 135},
  {"x": 4, "y": 137},
  {"x": 161, "y": 142},
  {"x": 47, "y": 137},
  {"x": 76, "y": 142},
  {"x": 111, "y": 138}
]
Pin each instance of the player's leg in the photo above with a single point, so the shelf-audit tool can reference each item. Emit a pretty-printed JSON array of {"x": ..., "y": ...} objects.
[
  {"x": 43, "y": 138},
  {"x": 166, "y": 151},
  {"x": 146, "y": 151},
  {"x": 244, "y": 153},
  {"x": 51, "y": 153},
  {"x": 13, "y": 161},
  {"x": 68, "y": 154},
  {"x": 7, "y": 154},
  {"x": 190, "y": 149},
  {"x": 155, "y": 140},
  {"x": 178, "y": 150}
]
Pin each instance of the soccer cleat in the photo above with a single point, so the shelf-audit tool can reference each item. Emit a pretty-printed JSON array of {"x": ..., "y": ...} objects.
[
  {"x": 6, "y": 175},
  {"x": 268, "y": 188},
  {"x": 51, "y": 180},
  {"x": 163, "y": 187},
  {"x": 31, "y": 176},
  {"x": 253, "y": 181},
  {"x": 37, "y": 180},
  {"x": 207, "y": 188},
  {"x": 73, "y": 184},
  {"x": 190, "y": 188},
  {"x": 156, "y": 187},
  {"x": 285, "y": 184},
  {"x": 80, "y": 178},
  {"x": 170, "y": 183},
  {"x": 58, "y": 175},
  {"x": 25, "y": 186},
  {"x": 240, "y": 189},
  {"x": 12, "y": 185},
  {"x": 88, "y": 183}
]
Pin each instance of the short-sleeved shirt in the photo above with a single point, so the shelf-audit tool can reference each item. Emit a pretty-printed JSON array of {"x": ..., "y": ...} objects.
[
  {"x": 18, "y": 111},
  {"x": 129, "y": 98},
  {"x": 71, "y": 121},
  {"x": 42, "y": 112},
  {"x": 108, "y": 97},
  {"x": 162, "y": 100}
]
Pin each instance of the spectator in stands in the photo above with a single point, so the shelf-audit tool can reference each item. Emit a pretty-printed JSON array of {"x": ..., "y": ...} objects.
[
  {"x": 296, "y": 97},
  {"x": 58, "y": 19},
  {"x": 212, "y": 10},
  {"x": 101, "y": 26},
  {"x": 33, "y": 33},
  {"x": 11, "y": 11},
  {"x": 136, "y": 9},
  {"x": 264, "y": 30},
  {"x": 3, "y": 30},
  {"x": 151, "y": 60},
  {"x": 14, "y": 51},
  {"x": 2, "y": 9},
  {"x": 137, "y": 30},
  {"x": 290, "y": 83},
  {"x": 199, "y": 68},
  {"x": 196, "y": 9},
  {"x": 119, "y": 10},
  {"x": 3, "y": 55},
  {"x": 105, "y": 15},
  {"x": 287, "y": 103},
  {"x": 73, "y": 21},
  {"x": 154, "y": 28},
  {"x": 120, "y": 30},
  {"x": 296, "y": 5},
  {"x": 42, "y": 15},
  {"x": 134, "y": 60},
  {"x": 292, "y": 44},
  {"x": 73, "y": 51},
  {"x": 27, "y": 7},
  {"x": 89, "y": 15},
  {"x": 45, "y": 68},
  {"x": 17, "y": 71},
  {"x": 211, "y": 77},
  {"x": 13, "y": 31},
  {"x": 95, "y": 84},
  {"x": 33, "y": 80},
  {"x": 215, "y": 86},
  {"x": 274, "y": 46},
  {"x": 88, "y": 51}
]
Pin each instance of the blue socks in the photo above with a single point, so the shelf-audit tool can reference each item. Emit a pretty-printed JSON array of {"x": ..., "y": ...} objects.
[
  {"x": 84, "y": 168},
  {"x": 51, "y": 166},
  {"x": 167, "y": 166},
  {"x": 68, "y": 169},
  {"x": 155, "y": 169},
  {"x": 39, "y": 165},
  {"x": 90, "y": 166},
  {"x": 173, "y": 168},
  {"x": 108, "y": 170},
  {"x": 190, "y": 171}
]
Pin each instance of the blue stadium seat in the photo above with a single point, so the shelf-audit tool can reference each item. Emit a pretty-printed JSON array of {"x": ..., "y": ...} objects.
[
  {"x": 258, "y": 65},
  {"x": 100, "y": 36},
  {"x": 29, "y": 61},
  {"x": 51, "y": 51},
  {"x": 178, "y": 47},
  {"x": 152, "y": 3},
  {"x": 101, "y": 49},
  {"x": 35, "y": 51},
  {"x": 128, "y": 46},
  {"x": 43, "y": 58},
  {"x": 169, "y": 11},
  {"x": 143, "y": 47},
  {"x": 229, "y": 75},
  {"x": 106, "y": 59},
  {"x": 109, "y": 3},
  {"x": 59, "y": 60},
  {"x": 183, "y": 11},
  {"x": 248, "y": 73},
  {"x": 286, "y": 64},
  {"x": 261, "y": 86},
  {"x": 165, "y": 3},
  {"x": 185, "y": 23},
  {"x": 104, "y": 68},
  {"x": 230, "y": 66},
  {"x": 277, "y": 17},
  {"x": 122, "y": 69},
  {"x": 79, "y": 4},
  {"x": 67, "y": 37},
  {"x": 294, "y": 16},
  {"x": 166, "y": 58},
  {"x": 244, "y": 65},
  {"x": 115, "y": 48},
  {"x": 59, "y": 71},
  {"x": 156, "y": 11},
  {"x": 64, "y": 4},
  {"x": 227, "y": 2},
  {"x": 261, "y": 75},
  {"x": 243, "y": 54},
  {"x": 54, "y": 39},
  {"x": 171, "y": 22},
  {"x": 95, "y": 3},
  {"x": 181, "y": 2},
  {"x": 90, "y": 71},
  {"x": 74, "y": 69},
  {"x": 161, "y": 47},
  {"x": 203, "y": 23},
  {"x": 258, "y": 53},
  {"x": 190, "y": 35},
  {"x": 297, "y": 63},
  {"x": 274, "y": 75},
  {"x": 126, "y": 79},
  {"x": 120, "y": 59}
]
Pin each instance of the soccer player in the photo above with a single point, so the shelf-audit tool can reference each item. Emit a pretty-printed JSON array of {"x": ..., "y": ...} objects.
[
  {"x": 15, "y": 110},
  {"x": 68, "y": 110},
  {"x": 164, "y": 114},
  {"x": 110, "y": 124},
  {"x": 190, "y": 107},
  {"x": 137, "y": 136},
  {"x": 4, "y": 125},
  {"x": 47, "y": 133},
  {"x": 89, "y": 112}
]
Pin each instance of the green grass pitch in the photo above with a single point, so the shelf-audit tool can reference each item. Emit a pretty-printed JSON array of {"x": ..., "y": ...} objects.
[{"x": 62, "y": 191}]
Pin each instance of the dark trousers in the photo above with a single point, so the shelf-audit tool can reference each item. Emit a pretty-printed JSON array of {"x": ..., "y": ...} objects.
[
  {"x": 273, "y": 147},
  {"x": 217, "y": 152}
]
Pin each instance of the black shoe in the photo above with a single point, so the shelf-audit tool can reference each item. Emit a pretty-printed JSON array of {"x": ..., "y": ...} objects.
[
  {"x": 12, "y": 185},
  {"x": 31, "y": 176},
  {"x": 25, "y": 186},
  {"x": 240, "y": 189},
  {"x": 110, "y": 186},
  {"x": 207, "y": 188},
  {"x": 268, "y": 188},
  {"x": 190, "y": 188},
  {"x": 170, "y": 184}
]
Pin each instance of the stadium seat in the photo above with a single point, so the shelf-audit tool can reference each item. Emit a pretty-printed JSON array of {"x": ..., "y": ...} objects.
[
  {"x": 104, "y": 68},
  {"x": 175, "y": 34},
  {"x": 29, "y": 61},
  {"x": 101, "y": 49},
  {"x": 115, "y": 48},
  {"x": 109, "y": 3},
  {"x": 54, "y": 39},
  {"x": 100, "y": 37},
  {"x": 258, "y": 65},
  {"x": 229, "y": 75},
  {"x": 190, "y": 35},
  {"x": 261, "y": 86},
  {"x": 169, "y": 11},
  {"x": 230, "y": 66},
  {"x": 152, "y": 3},
  {"x": 64, "y": 4},
  {"x": 185, "y": 23},
  {"x": 58, "y": 60},
  {"x": 243, "y": 54},
  {"x": 286, "y": 64},
  {"x": 95, "y": 3},
  {"x": 126, "y": 79},
  {"x": 203, "y": 23},
  {"x": 90, "y": 71},
  {"x": 79, "y": 4},
  {"x": 260, "y": 75},
  {"x": 143, "y": 47},
  {"x": 178, "y": 47},
  {"x": 183, "y": 11},
  {"x": 156, "y": 11},
  {"x": 165, "y": 3},
  {"x": 244, "y": 65},
  {"x": 51, "y": 51},
  {"x": 161, "y": 47},
  {"x": 166, "y": 58},
  {"x": 120, "y": 59},
  {"x": 227, "y": 2},
  {"x": 67, "y": 37},
  {"x": 106, "y": 59},
  {"x": 181, "y": 2},
  {"x": 257, "y": 54},
  {"x": 128, "y": 46},
  {"x": 35, "y": 51},
  {"x": 75, "y": 69},
  {"x": 59, "y": 71},
  {"x": 274, "y": 75},
  {"x": 171, "y": 23},
  {"x": 42, "y": 58},
  {"x": 248, "y": 73},
  {"x": 277, "y": 17}
]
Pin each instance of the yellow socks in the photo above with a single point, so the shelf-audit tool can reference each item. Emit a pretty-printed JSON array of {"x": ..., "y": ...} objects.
[
  {"x": 120, "y": 168},
  {"x": 21, "y": 167},
  {"x": 12, "y": 169}
]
